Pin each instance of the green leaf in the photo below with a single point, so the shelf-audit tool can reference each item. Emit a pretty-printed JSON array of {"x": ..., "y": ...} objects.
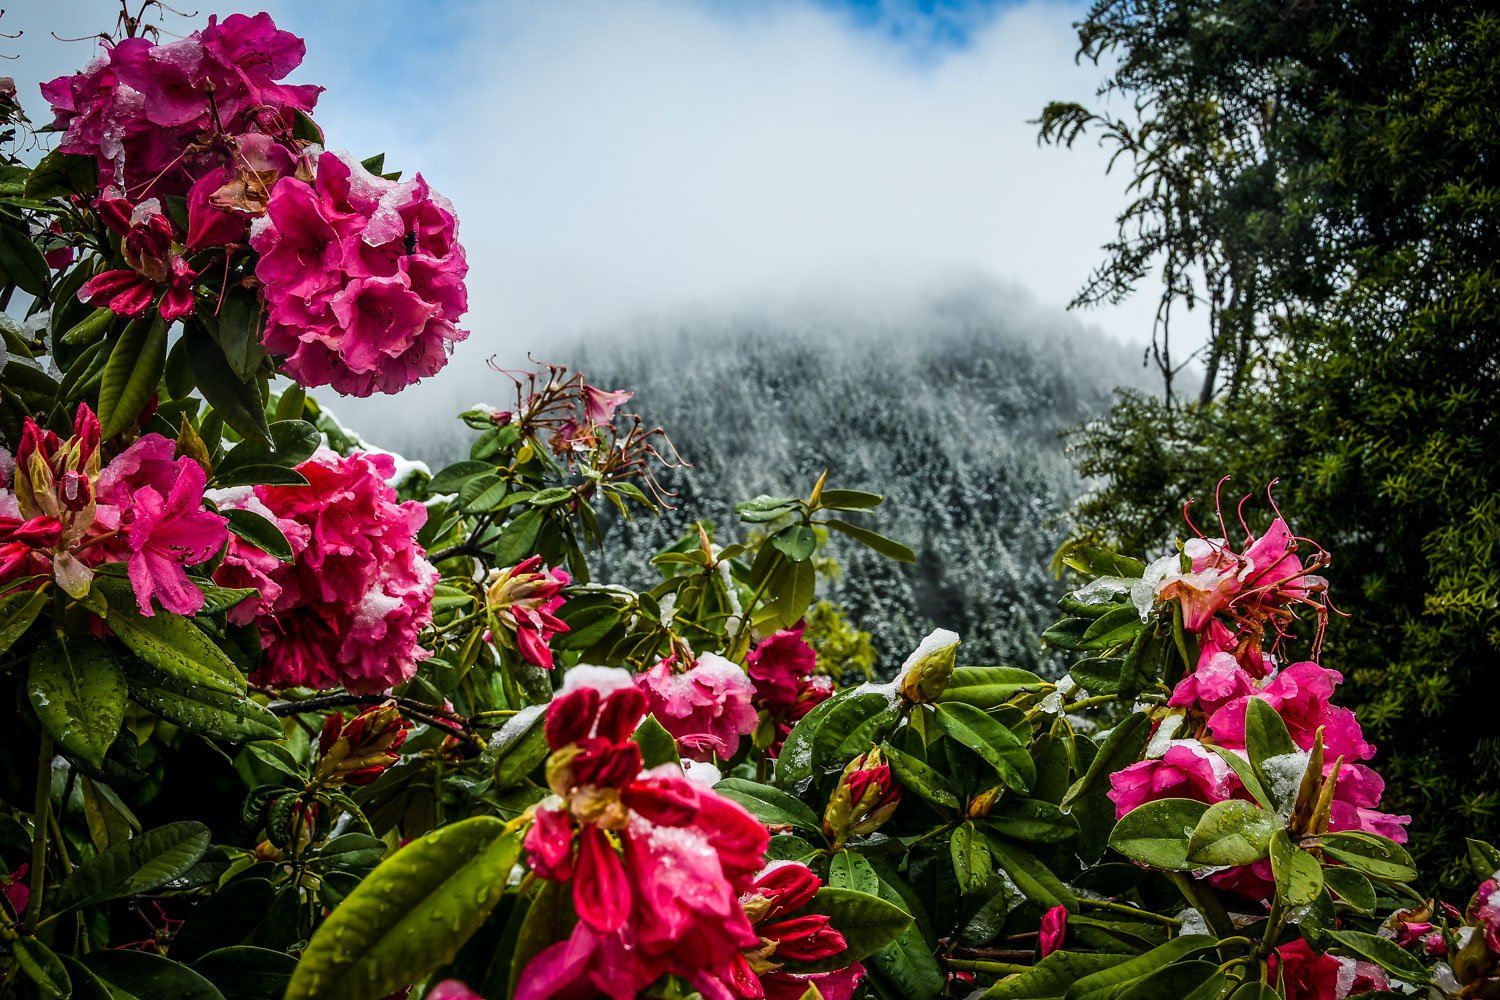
[
  {"x": 770, "y": 805},
  {"x": 1157, "y": 833},
  {"x": 867, "y": 922},
  {"x": 1189, "y": 980},
  {"x": 1113, "y": 628},
  {"x": 1031, "y": 820},
  {"x": 1175, "y": 950},
  {"x": 852, "y": 726},
  {"x": 972, "y": 864},
  {"x": 244, "y": 972},
  {"x": 237, "y": 401},
  {"x": 60, "y": 174},
  {"x": 17, "y": 612},
  {"x": 410, "y": 915},
  {"x": 1121, "y": 749},
  {"x": 356, "y": 852},
  {"x": 241, "y": 319},
  {"x": 765, "y": 509},
  {"x": 888, "y": 547},
  {"x": 1266, "y": 735},
  {"x": 200, "y": 709},
  {"x": 990, "y": 687},
  {"x": 995, "y": 743},
  {"x": 849, "y": 500},
  {"x": 1035, "y": 880},
  {"x": 796, "y": 541},
  {"x": 1299, "y": 877},
  {"x": 908, "y": 962},
  {"x": 169, "y": 643},
  {"x": 851, "y": 870},
  {"x": 260, "y": 532},
  {"x": 1254, "y": 989},
  {"x": 130, "y": 377},
  {"x": 1374, "y": 855},
  {"x": 795, "y": 764},
  {"x": 42, "y": 967},
  {"x": 292, "y": 442},
  {"x": 140, "y": 975},
  {"x": 22, "y": 262},
  {"x": 136, "y": 866},
  {"x": 79, "y": 694},
  {"x": 657, "y": 745},
  {"x": 1351, "y": 887},
  {"x": 1232, "y": 832},
  {"x": 522, "y": 751},
  {"x": 918, "y": 776},
  {"x": 518, "y": 539},
  {"x": 1246, "y": 772},
  {"x": 1484, "y": 859},
  {"x": 452, "y": 478},
  {"x": 1386, "y": 954},
  {"x": 1052, "y": 976},
  {"x": 1095, "y": 560}
]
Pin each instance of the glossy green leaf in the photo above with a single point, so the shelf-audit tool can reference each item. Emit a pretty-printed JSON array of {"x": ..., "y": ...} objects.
[
  {"x": 867, "y": 922},
  {"x": 1299, "y": 877},
  {"x": 169, "y": 643},
  {"x": 136, "y": 866},
  {"x": 260, "y": 532},
  {"x": 42, "y": 967},
  {"x": 199, "y": 709},
  {"x": 1031, "y": 820},
  {"x": 796, "y": 541},
  {"x": 849, "y": 500},
  {"x": 236, "y": 400},
  {"x": 245, "y": 972},
  {"x": 989, "y": 687},
  {"x": 657, "y": 745},
  {"x": 79, "y": 694},
  {"x": 1113, "y": 628},
  {"x": 851, "y": 870},
  {"x": 1385, "y": 953},
  {"x": 410, "y": 915},
  {"x": 292, "y": 442},
  {"x": 130, "y": 377},
  {"x": 1035, "y": 880},
  {"x": 1174, "y": 950},
  {"x": 770, "y": 805},
  {"x": 240, "y": 322},
  {"x": 1052, "y": 976},
  {"x": 1484, "y": 858},
  {"x": 1232, "y": 832},
  {"x": 917, "y": 776},
  {"x": 22, "y": 263},
  {"x": 523, "y": 748},
  {"x": 140, "y": 975},
  {"x": 60, "y": 174},
  {"x": 996, "y": 744},
  {"x": 17, "y": 612},
  {"x": 795, "y": 764},
  {"x": 1266, "y": 734},
  {"x": 888, "y": 547},
  {"x": 972, "y": 864},
  {"x": 1157, "y": 833},
  {"x": 452, "y": 478},
  {"x": 1351, "y": 887},
  {"x": 1376, "y": 856},
  {"x": 1122, "y": 748}
]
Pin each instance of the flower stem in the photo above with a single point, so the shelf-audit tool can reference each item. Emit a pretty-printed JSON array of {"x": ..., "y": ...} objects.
[
  {"x": 999, "y": 968},
  {"x": 1146, "y": 915}
]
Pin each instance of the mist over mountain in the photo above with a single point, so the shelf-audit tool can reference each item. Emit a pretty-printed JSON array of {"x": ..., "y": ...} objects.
[{"x": 953, "y": 408}]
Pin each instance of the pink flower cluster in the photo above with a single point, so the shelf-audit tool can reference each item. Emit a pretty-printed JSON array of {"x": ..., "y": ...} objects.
[
  {"x": 522, "y": 602},
  {"x": 61, "y": 516},
  {"x": 146, "y": 245},
  {"x": 783, "y": 669},
  {"x": 346, "y": 611},
  {"x": 363, "y": 278},
  {"x": 782, "y": 889},
  {"x": 707, "y": 707},
  {"x": 155, "y": 116},
  {"x": 1250, "y": 590},
  {"x": 665, "y": 901},
  {"x": 1306, "y": 974}
]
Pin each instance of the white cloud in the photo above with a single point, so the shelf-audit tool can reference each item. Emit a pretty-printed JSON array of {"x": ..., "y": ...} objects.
[{"x": 610, "y": 159}]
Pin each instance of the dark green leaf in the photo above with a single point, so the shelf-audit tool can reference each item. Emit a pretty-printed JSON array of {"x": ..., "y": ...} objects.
[
  {"x": 1035, "y": 880},
  {"x": 1052, "y": 976},
  {"x": 1031, "y": 820},
  {"x": 132, "y": 373},
  {"x": 136, "y": 866},
  {"x": 292, "y": 442},
  {"x": 140, "y": 975},
  {"x": 1386, "y": 954},
  {"x": 657, "y": 745},
  {"x": 410, "y": 915},
  {"x": 1121, "y": 749},
  {"x": 42, "y": 967},
  {"x": 1174, "y": 950},
  {"x": 1374, "y": 855},
  {"x": 1265, "y": 735},
  {"x": 990, "y": 687},
  {"x": 237, "y": 401},
  {"x": 768, "y": 804},
  {"x": 79, "y": 694},
  {"x": 241, "y": 319},
  {"x": 995, "y": 743},
  {"x": 22, "y": 262},
  {"x": 1351, "y": 888},
  {"x": 849, "y": 500},
  {"x": 261, "y": 533},
  {"x": 917, "y": 776},
  {"x": 851, "y": 870},
  {"x": 452, "y": 478},
  {"x": 867, "y": 922},
  {"x": 972, "y": 865},
  {"x": 1299, "y": 878},
  {"x": 244, "y": 972},
  {"x": 1157, "y": 833},
  {"x": 60, "y": 174},
  {"x": 17, "y": 612},
  {"x": 888, "y": 547},
  {"x": 1232, "y": 832}
]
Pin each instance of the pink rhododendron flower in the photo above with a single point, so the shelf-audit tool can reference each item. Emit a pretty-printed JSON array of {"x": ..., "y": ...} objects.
[
  {"x": 17, "y": 892},
  {"x": 1483, "y": 912},
  {"x": 599, "y": 406},
  {"x": 771, "y": 904},
  {"x": 782, "y": 668},
  {"x": 1308, "y": 975},
  {"x": 163, "y": 526},
  {"x": 142, "y": 109},
  {"x": 348, "y": 608},
  {"x": 670, "y": 905},
  {"x": 452, "y": 989},
  {"x": 363, "y": 278},
  {"x": 1188, "y": 770},
  {"x": 706, "y": 708},
  {"x": 1054, "y": 930},
  {"x": 522, "y": 602},
  {"x": 147, "y": 248}
]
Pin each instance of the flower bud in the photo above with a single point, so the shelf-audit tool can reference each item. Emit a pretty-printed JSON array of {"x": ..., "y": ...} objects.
[
  {"x": 981, "y": 804},
  {"x": 865, "y": 798},
  {"x": 926, "y": 673},
  {"x": 357, "y": 751}
]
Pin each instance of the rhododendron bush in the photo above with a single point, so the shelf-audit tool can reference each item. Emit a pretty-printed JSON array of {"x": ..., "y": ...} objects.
[{"x": 291, "y": 717}]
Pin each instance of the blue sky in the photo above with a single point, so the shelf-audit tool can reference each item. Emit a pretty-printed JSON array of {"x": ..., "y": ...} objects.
[{"x": 614, "y": 160}]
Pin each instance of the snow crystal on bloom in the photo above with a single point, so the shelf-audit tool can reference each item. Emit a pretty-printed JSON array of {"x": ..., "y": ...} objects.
[
  {"x": 701, "y": 772},
  {"x": 1143, "y": 591},
  {"x": 605, "y": 680},
  {"x": 1284, "y": 775},
  {"x": 1164, "y": 736},
  {"x": 515, "y": 726},
  {"x": 707, "y": 707}
]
